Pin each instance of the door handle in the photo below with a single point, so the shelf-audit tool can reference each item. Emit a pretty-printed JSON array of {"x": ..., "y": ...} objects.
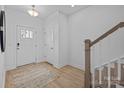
[{"x": 18, "y": 46}]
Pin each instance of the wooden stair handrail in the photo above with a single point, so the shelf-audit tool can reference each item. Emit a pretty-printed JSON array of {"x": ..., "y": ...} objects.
[
  {"x": 88, "y": 45},
  {"x": 121, "y": 24}
]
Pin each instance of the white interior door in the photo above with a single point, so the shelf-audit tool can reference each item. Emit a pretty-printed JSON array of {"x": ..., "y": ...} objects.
[
  {"x": 50, "y": 44},
  {"x": 25, "y": 45}
]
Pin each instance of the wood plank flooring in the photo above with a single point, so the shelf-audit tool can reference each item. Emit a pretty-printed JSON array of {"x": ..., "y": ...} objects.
[{"x": 69, "y": 77}]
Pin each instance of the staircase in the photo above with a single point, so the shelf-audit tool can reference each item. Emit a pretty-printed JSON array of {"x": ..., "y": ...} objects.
[
  {"x": 106, "y": 75},
  {"x": 110, "y": 75}
]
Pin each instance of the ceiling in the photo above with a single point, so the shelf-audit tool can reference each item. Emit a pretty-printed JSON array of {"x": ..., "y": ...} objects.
[{"x": 46, "y": 10}]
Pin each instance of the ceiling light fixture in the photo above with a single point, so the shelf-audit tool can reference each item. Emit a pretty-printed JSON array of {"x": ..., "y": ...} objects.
[
  {"x": 72, "y": 5},
  {"x": 33, "y": 11}
]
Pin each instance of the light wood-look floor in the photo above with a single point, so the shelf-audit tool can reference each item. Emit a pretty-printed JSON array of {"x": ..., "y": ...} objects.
[{"x": 69, "y": 77}]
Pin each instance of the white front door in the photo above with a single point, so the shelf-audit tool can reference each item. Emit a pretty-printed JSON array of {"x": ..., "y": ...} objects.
[{"x": 25, "y": 45}]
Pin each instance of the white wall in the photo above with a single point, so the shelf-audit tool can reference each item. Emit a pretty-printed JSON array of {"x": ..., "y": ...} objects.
[
  {"x": 89, "y": 24},
  {"x": 63, "y": 37},
  {"x": 2, "y": 68},
  {"x": 14, "y": 18},
  {"x": 109, "y": 49}
]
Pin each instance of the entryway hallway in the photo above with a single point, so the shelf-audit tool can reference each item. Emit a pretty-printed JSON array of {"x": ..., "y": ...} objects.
[{"x": 44, "y": 75}]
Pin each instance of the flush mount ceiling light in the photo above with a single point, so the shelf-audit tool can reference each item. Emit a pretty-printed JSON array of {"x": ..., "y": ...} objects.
[
  {"x": 72, "y": 5},
  {"x": 33, "y": 12}
]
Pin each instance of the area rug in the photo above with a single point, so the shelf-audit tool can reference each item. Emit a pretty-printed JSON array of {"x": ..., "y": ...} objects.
[{"x": 33, "y": 77}]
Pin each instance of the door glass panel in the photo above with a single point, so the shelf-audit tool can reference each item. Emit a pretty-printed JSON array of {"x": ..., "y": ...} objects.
[
  {"x": 26, "y": 34},
  {"x": 22, "y": 33}
]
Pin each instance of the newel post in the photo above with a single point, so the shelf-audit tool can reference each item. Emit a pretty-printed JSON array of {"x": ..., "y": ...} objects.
[{"x": 87, "y": 64}]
